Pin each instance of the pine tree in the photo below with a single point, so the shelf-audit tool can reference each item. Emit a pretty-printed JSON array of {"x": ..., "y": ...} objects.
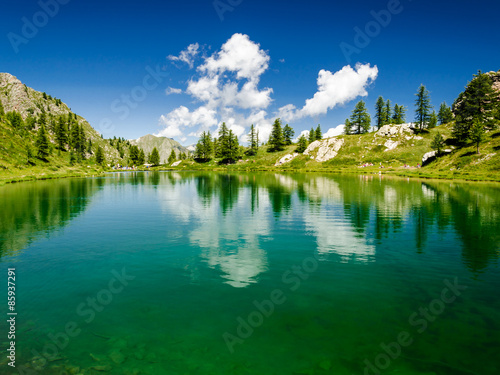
[
  {"x": 222, "y": 141},
  {"x": 388, "y": 112},
  {"x": 312, "y": 135},
  {"x": 288, "y": 134},
  {"x": 233, "y": 148},
  {"x": 254, "y": 141},
  {"x": 30, "y": 123},
  {"x": 42, "y": 143},
  {"x": 347, "y": 127},
  {"x": 422, "y": 107},
  {"x": 433, "y": 120},
  {"x": 134, "y": 154},
  {"x": 204, "y": 147},
  {"x": 438, "y": 143},
  {"x": 2, "y": 111},
  {"x": 360, "y": 119},
  {"x": 301, "y": 144},
  {"x": 81, "y": 142},
  {"x": 380, "y": 112},
  {"x": 141, "y": 158},
  {"x": 89, "y": 148},
  {"x": 99, "y": 156},
  {"x": 29, "y": 155},
  {"x": 172, "y": 158},
  {"x": 318, "y": 135},
  {"x": 276, "y": 141},
  {"x": 154, "y": 157},
  {"x": 477, "y": 102},
  {"x": 477, "y": 133},
  {"x": 61, "y": 133},
  {"x": 15, "y": 119},
  {"x": 399, "y": 116},
  {"x": 445, "y": 115}
]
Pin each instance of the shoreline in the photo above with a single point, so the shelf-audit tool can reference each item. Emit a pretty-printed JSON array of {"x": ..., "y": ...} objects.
[{"x": 415, "y": 174}]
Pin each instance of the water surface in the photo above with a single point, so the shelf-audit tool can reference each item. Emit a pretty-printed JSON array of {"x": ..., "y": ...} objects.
[{"x": 211, "y": 273}]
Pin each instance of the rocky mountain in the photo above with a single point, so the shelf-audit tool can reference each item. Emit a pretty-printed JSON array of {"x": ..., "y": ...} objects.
[
  {"x": 163, "y": 144},
  {"x": 16, "y": 96}
]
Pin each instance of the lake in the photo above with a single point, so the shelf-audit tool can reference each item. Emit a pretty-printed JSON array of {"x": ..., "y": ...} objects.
[{"x": 258, "y": 273}]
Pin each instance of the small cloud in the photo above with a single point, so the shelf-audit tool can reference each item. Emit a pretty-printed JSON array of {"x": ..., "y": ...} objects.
[
  {"x": 187, "y": 56},
  {"x": 172, "y": 90},
  {"x": 304, "y": 133},
  {"x": 334, "y": 132},
  {"x": 282, "y": 60}
]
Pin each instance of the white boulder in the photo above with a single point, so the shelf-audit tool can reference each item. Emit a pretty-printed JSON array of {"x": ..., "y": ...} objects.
[
  {"x": 393, "y": 130},
  {"x": 390, "y": 145},
  {"x": 286, "y": 159},
  {"x": 326, "y": 149}
]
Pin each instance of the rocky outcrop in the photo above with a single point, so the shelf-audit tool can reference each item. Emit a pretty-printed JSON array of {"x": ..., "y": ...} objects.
[
  {"x": 394, "y": 130},
  {"x": 431, "y": 155},
  {"x": 324, "y": 149},
  {"x": 286, "y": 159},
  {"x": 390, "y": 145}
]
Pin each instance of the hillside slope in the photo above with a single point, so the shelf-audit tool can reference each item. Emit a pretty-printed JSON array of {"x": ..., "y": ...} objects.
[{"x": 16, "y": 96}]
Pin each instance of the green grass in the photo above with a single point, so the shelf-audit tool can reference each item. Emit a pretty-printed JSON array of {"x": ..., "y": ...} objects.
[
  {"x": 462, "y": 163},
  {"x": 14, "y": 166}
]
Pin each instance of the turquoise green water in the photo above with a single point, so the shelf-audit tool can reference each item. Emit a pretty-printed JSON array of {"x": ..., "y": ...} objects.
[{"x": 205, "y": 273}]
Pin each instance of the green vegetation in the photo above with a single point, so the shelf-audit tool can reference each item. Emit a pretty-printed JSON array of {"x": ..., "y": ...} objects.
[
  {"x": 154, "y": 157},
  {"x": 253, "y": 138},
  {"x": 422, "y": 107},
  {"x": 360, "y": 120},
  {"x": 276, "y": 140}
]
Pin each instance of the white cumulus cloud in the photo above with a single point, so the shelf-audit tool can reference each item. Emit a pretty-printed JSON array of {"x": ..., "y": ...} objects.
[
  {"x": 225, "y": 87},
  {"x": 240, "y": 55},
  {"x": 179, "y": 119},
  {"x": 334, "y": 132},
  {"x": 339, "y": 88}
]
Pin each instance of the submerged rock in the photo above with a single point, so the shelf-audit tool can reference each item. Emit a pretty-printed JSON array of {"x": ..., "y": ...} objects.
[
  {"x": 117, "y": 357},
  {"x": 325, "y": 149}
]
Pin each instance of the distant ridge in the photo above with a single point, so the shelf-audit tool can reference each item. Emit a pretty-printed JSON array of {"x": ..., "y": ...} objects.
[{"x": 163, "y": 144}]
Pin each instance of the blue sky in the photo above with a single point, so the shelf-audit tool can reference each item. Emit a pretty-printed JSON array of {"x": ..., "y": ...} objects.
[{"x": 249, "y": 61}]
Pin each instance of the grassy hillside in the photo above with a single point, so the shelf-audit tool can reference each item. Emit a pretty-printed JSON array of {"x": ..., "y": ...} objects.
[
  {"x": 31, "y": 105},
  {"x": 360, "y": 150}
]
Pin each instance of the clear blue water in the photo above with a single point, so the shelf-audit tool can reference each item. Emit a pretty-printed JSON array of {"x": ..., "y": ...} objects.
[{"x": 212, "y": 273}]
